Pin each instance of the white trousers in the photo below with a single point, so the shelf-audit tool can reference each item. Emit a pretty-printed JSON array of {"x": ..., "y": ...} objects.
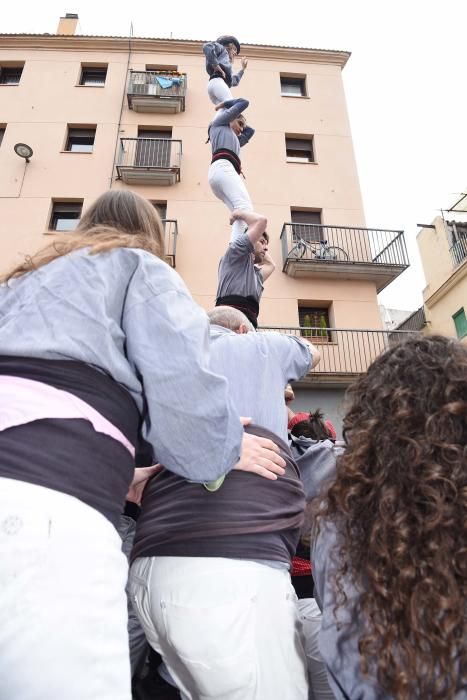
[
  {"x": 218, "y": 91},
  {"x": 227, "y": 629},
  {"x": 63, "y": 617},
  {"x": 310, "y": 616},
  {"x": 229, "y": 187}
]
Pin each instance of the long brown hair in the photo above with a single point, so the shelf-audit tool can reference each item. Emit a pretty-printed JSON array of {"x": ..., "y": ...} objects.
[
  {"x": 399, "y": 502},
  {"x": 117, "y": 219}
]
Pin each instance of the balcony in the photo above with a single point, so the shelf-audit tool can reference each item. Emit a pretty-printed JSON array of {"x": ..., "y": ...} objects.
[
  {"x": 171, "y": 234},
  {"x": 343, "y": 252},
  {"x": 144, "y": 161},
  {"x": 345, "y": 353},
  {"x": 156, "y": 91},
  {"x": 459, "y": 251}
]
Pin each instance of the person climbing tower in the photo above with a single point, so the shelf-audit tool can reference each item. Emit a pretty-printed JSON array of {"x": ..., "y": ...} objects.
[{"x": 220, "y": 55}]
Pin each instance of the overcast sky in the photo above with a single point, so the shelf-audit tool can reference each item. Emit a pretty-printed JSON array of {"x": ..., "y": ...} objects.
[{"x": 406, "y": 86}]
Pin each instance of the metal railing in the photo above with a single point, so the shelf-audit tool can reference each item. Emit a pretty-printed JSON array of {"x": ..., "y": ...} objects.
[
  {"x": 343, "y": 244},
  {"x": 345, "y": 351},
  {"x": 150, "y": 83},
  {"x": 459, "y": 251},
  {"x": 150, "y": 154},
  {"x": 414, "y": 322},
  {"x": 171, "y": 234}
]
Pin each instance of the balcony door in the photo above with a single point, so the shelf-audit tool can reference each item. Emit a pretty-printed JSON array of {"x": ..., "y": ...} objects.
[
  {"x": 305, "y": 225},
  {"x": 150, "y": 153}
]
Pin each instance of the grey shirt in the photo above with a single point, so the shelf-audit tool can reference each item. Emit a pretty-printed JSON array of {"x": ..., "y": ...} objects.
[
  {"x": 316, "y": 460},
  {"x": 129, "y": 314},
  {"x": 338, "y": 638},
  {"x": 237, "y": 272},
  {"x": 258, "y": 366},
  {"x": 220, "y": 133},
  {"x": 217, "y": 55}
]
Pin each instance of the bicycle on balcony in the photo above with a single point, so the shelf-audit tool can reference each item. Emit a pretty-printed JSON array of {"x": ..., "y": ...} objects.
[{"x": 317, "y": 251}]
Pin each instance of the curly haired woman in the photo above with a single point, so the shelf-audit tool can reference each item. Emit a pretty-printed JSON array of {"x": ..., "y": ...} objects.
[{"x": 390, "y": 551}]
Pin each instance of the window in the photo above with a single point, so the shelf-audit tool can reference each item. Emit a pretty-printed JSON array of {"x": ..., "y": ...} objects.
[
  {"x": 93, "y": 75},
  {"x": 460, "y": 322},
  {"x": 299, "y": 150},
  {"x": 65, "y": 216},
  {"x": 293, "y": 86},
  {"x": 316, "y": 319},
  {"x": 2, "y": 133},
  {"x": 306, "y": 224},
  {"x": 10, "y": 75},
  {"x": 80, "y": 140},
  {"x": 151, "y": 153},
  {"x": 161, "y": 208}
]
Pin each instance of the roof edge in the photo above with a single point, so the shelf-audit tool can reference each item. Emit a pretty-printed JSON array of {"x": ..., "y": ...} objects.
[{"x": 113, "y": 43}]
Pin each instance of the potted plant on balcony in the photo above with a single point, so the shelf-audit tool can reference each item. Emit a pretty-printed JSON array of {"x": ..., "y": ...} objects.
[{"x": 307, "y": 325}]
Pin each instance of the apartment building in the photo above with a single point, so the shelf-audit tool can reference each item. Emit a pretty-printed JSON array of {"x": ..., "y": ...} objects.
[
  {"x": 82, "y": 114},
  {"x": 443, "y": 251}
]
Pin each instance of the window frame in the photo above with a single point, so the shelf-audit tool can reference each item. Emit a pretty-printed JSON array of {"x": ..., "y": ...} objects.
[
  {"x": 90, "y": 67},
  {"x": 305, "y": 235},
  {"x": 70, "y": 136},
  {"x": 161, "y": 207},
  {"x": 461, "y": 328},
  {"x": 297, "y": 79},
  {"x": 320, "y": 312},
  {"x": 11, "y": 67},
  {"x": 55, "y": 212},
  {"x": 303, "y": 139}
]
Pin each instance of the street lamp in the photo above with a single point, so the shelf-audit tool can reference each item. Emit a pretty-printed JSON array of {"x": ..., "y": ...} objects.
[{"x": 23, "y": 151}]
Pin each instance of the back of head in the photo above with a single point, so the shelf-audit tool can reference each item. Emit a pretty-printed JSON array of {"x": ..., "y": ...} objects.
[
  {"x": 311, "y": 425},
  {"x": 228, "y": 317},
  {"x": 117, "y": 219},
  {"x": 399, "y": 502}
]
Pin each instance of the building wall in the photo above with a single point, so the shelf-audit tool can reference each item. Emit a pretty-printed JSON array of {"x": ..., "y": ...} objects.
[
  {"x": 38, "y": 111},
  {"x": 446, "y": 290}
]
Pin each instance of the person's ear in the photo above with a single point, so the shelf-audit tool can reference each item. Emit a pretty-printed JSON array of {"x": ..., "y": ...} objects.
[{"x": 242, "y": 329}]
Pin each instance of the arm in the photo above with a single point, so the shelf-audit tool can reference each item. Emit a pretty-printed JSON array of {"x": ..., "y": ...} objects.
[
  {"x": 236, "y": 78},
  {"x": 267, "y": 267},
  {"x": 256, "y": 223},
  {"x": 315, "y": 353},
  {"x": 231, "y": 110},
  {"x": 186, "y": 405},
  {"x": 247, "y": 133},
  {"x": 212, "y": 50},
  {"x": 293, "y": 355}
]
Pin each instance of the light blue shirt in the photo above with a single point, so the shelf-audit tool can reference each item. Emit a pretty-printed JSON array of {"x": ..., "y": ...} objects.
[
  {"x": 258, "y": 366},
  {"x": 130, "y": 315}
]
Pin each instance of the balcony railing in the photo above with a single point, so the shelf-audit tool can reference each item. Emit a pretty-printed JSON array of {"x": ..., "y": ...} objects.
[
  {"x": 459, "y": 251},
  {"x": 156, "y": 91},
  {"x": 345, "y": 353},
  {"x": 150, "y": 161},
  {"x": 171, "y": 234},
  {"x": 361, "y": 253}
]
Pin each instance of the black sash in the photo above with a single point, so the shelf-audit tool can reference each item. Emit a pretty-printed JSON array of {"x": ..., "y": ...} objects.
[{"x": 247, "y": 305}]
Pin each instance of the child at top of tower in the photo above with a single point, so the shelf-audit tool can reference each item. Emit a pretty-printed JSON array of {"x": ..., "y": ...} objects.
[{"x": 220, "y": 55}]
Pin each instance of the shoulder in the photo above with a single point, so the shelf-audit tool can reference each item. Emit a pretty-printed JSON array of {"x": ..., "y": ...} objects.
[
  {"x": 241, "y": 244},
  {"x": 145, "y": 269}
]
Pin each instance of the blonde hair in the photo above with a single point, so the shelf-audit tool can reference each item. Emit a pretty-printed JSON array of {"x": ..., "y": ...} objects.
[{"x": 117, "y": 219}]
